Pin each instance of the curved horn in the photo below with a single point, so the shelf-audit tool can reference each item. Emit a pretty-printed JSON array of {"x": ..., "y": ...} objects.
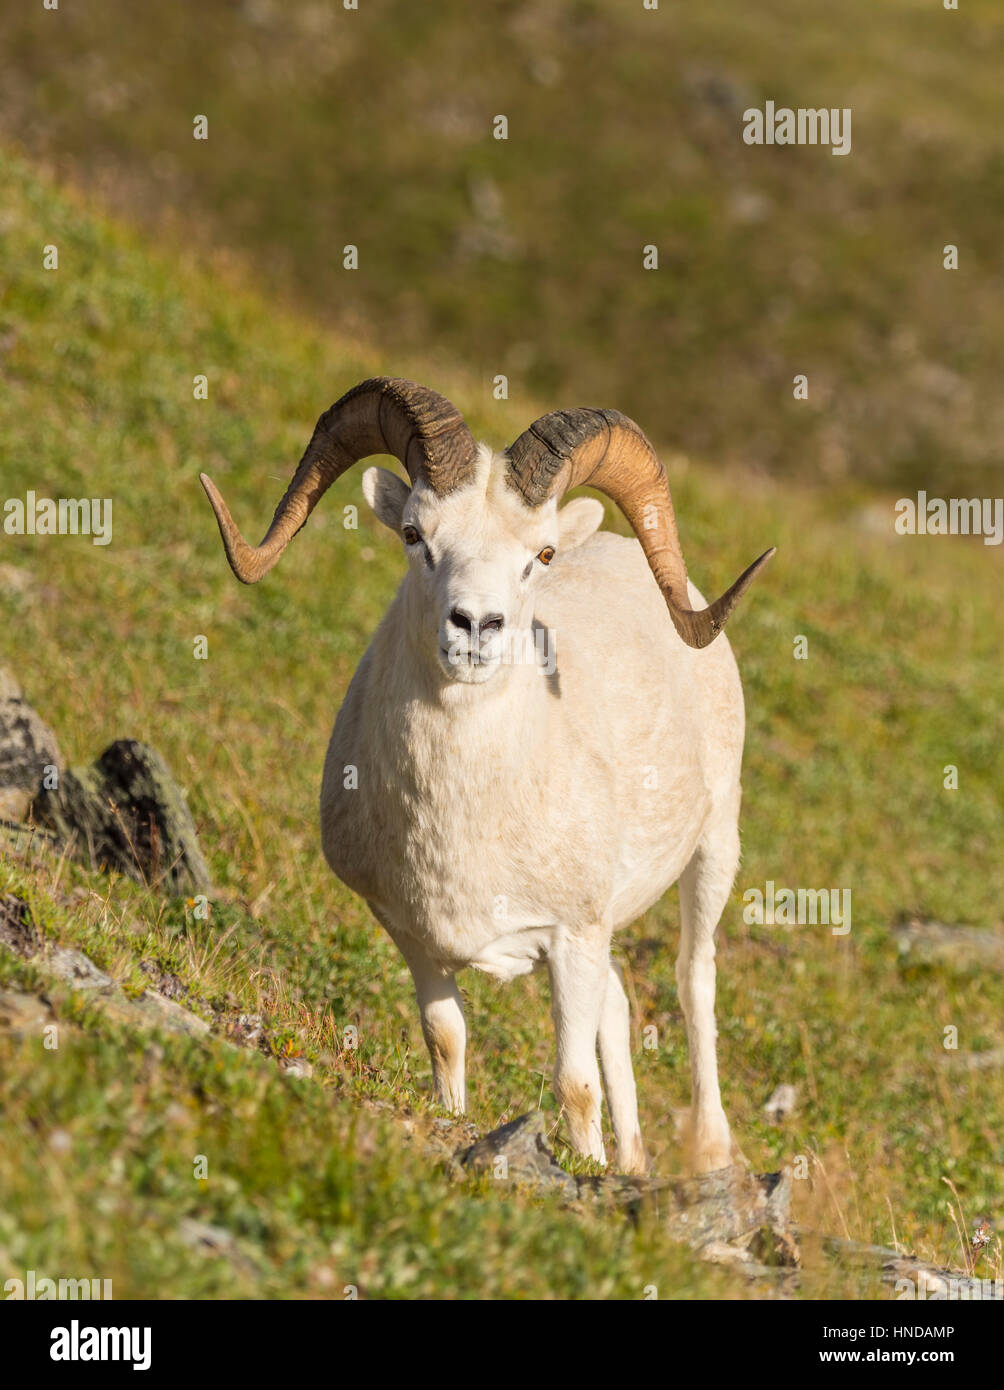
[
  {"x": 384, "y": 415},
  {"x": 606, "y": 450}
]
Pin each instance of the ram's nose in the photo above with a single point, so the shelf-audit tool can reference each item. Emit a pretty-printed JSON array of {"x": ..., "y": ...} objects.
[{"x": 461, "y": 620}]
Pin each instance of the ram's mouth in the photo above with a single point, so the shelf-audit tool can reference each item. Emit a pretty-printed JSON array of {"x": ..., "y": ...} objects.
[
  {"x": 470, "y": 659},
  {"x": 470, "y": 668}
]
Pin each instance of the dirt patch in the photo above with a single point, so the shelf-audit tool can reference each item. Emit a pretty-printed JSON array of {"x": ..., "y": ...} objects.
[{"x": 17, "y": 930}]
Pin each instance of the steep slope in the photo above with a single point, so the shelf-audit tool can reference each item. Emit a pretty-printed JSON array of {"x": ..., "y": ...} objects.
[{"x": 844, "y": 787}]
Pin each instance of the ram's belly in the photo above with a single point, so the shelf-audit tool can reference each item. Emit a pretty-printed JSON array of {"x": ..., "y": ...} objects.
[
  {"x": 495, "y": 915},
  {"x": 496, "y": 901},
  {"x": 515, "y": 953},
  {"x": 643, "y": 874}
]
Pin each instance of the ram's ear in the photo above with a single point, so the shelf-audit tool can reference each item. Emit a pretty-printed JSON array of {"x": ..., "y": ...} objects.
[
  {"x": 578, "y": 521},
  {"x": 387, "y": 494}
]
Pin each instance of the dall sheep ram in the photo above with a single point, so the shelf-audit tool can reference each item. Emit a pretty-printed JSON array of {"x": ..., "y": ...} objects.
[{"x": 516, "y": 810}]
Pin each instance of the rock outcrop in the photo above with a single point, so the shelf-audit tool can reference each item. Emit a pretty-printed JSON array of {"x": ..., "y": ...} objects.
[
  {"x": 28, "y": 748},
  {"x": 126, "y": 812}
]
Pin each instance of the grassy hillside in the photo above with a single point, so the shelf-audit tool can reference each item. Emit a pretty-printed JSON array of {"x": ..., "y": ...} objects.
[
  {"x": 843, "y": 787},
  {"x": 524, "y": 257}
]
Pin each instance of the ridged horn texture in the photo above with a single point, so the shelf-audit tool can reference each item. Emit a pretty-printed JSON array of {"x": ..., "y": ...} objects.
[
  {"x": 385, "y": 415},
  {"x": 605, "y": 450}
]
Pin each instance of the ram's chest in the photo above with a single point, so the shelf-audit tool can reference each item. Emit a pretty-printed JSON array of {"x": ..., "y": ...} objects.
[
  {"x": 442, "y": 865},
  {"x": 443, "y": 848}
]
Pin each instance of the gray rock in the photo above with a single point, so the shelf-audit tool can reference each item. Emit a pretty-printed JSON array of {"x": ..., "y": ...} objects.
[
  {"x": 215, "y": 1241},
  {"x": 19, "y": 933},
  {"x": 523, "y": 1146},
  {"x": 150, "y": 1012},
  {"x": 167, "y": 1013},
  {"x": 22, "y": 1014},
  {"x": 126, "y": 812},
  {"x": 731, "y": 1207},
  {"x": 446, "y": 1138},
  {"x": 959, "y": 948},
  {"x": 74, "y": 968},
  {"x": 21, "y": 839},
  {"x": 718, "y": 1252},
  {"x": 27, "y": 747},
  {"x": 716, "y": 89},
  {"x": 935, "y": 1281}
]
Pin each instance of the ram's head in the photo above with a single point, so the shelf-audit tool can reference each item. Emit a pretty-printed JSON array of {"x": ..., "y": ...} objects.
[{"x": 480, "y": 530}]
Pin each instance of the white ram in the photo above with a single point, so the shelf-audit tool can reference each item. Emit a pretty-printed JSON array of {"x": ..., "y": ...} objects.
[{"x": 518, "y": 801}]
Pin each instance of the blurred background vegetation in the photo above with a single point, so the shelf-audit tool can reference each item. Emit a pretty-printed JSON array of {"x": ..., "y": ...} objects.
[{"x": 523, "y": 257}]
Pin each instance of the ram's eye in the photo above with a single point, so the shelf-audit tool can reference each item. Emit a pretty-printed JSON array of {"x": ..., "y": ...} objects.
[
  {"x": 546, "y": 555},
  {"x": 410, "y": 535}
]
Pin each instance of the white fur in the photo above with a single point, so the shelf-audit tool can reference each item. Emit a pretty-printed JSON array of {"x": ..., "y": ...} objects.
[{"x": 506, "y": 818}]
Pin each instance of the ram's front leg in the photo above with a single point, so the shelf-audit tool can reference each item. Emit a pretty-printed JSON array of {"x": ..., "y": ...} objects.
[
  {"x": 443, "y": 1026},
  {"x": 578, "y": 964}
]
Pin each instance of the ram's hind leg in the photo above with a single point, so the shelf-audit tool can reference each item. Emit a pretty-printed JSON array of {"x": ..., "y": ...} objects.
[
  {"x": 705, "y": 885},
  {"x": 618, "y": 1075}
]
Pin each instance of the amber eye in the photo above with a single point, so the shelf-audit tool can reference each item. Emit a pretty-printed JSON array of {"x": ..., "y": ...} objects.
[
  {"x": 546, "y": 555},
  {"x": 410, "y": 536}
]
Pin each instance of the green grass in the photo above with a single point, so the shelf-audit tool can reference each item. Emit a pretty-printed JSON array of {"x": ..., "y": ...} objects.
[
  {"x": 524, "y": 257},
  {"x": 843, "y": 787}
]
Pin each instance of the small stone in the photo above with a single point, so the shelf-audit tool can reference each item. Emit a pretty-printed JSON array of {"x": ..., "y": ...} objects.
[
  {"x": 781, "y": 1104},
  {"x": 76, "y": 969},
  {"x": 215, "y": 1240},
  {"x": 719, "y": 1252},
  {"x": 201, "y": 1235},
  {"x": 60, "y": 1142},
  {"x": 247, "y": 1030},
  {"x": 296, "y": 1066},
  {"x": 165, "y": 982},
  {"x": 16, "y": 581},
  {"x": 989, "y": 1060}
]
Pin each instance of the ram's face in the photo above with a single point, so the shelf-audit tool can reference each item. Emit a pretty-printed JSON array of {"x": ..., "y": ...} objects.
[{"x": 477, "y": 556}]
